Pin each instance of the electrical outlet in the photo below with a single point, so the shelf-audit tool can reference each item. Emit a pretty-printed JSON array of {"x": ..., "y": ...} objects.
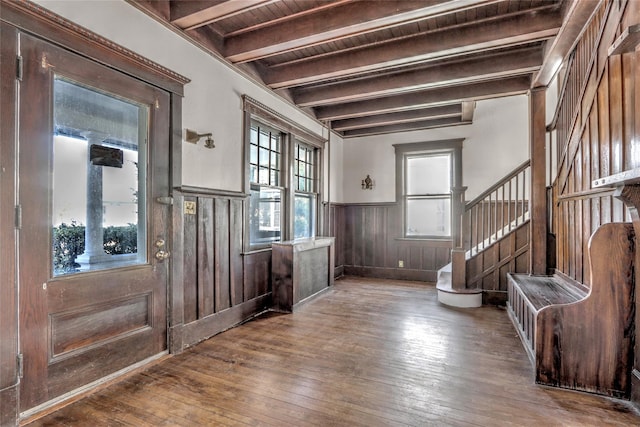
[{"x": 401, "y": 264}]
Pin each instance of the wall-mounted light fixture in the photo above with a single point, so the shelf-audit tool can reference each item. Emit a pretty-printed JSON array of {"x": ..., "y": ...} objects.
[
  {"x": 367, "y": 183},
  {"x": 194, "y": 137}
]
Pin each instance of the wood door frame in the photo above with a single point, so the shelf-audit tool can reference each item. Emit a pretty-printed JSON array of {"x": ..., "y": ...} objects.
[
  {"x": 9, "y": 382},
  {"x": 46, "y": 25}
]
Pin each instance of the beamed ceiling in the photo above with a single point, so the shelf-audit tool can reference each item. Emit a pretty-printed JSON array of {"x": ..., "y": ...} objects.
[{"x": 379, "y": 66}]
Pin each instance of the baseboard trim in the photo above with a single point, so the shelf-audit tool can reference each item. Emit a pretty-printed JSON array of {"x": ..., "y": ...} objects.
[
  {"x": 391, "y": 273},
  {"x": 60, "y": 402},
  {"x": 202, "y": 329}
]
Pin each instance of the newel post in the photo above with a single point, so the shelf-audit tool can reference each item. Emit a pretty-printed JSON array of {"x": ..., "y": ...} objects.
[
  {"x": 538, "y": 195},
  {"x": 458, "y": 258}
]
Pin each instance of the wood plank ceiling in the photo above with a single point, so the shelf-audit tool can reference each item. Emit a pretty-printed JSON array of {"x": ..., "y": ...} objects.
[{"x": 379, "y": 66}]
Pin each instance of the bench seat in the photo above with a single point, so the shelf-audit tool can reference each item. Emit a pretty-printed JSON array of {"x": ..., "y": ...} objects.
[
  {"x": 542, "y": 291},
  {"x": 576, "y": 335}
]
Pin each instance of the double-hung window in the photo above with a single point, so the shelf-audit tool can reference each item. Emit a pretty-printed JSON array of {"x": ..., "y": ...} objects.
[
  {"x": 305, "y": 191},
  {"x": 426, "y": 175},
  {"x": 283, "y": 170},
  {"x": 266, "y": 184},
  {"x": 428, "y": 195}
]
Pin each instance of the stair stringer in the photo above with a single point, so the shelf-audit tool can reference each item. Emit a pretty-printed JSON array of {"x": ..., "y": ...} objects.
[{"x": 487, "y": 269}]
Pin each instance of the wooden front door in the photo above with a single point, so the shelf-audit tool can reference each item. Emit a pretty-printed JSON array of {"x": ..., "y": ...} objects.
[{"x": 93, "y": 162}]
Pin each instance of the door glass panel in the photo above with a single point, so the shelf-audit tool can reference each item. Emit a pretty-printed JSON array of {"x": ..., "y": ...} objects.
[{"x": 99, "y": 179}]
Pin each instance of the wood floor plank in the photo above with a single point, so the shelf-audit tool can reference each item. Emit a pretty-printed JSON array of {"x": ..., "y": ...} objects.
[{"x": 369, "y": 352}]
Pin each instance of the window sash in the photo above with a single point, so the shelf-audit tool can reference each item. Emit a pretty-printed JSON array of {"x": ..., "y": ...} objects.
[
  {"x": 304, "y": 217},
  {"x": 304, "y": 168},
  {"x": 428, "y": 216},
  {"x": 427, "y": 209},
  {"x": 265, "y": 155},
  {"x": 265, "y": 215}
]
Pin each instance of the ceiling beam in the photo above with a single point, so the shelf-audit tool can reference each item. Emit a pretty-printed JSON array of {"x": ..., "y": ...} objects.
[
  {"x": 520, "y": 61},
  {"x": 521, "y": 28},
  {"x": 445, "y": 111},
  {"x": 193, "y": 14},
  {"x": 423, "y": 99},
  {"x": 579, "y": 12},
  {"x": 425, "y": 124},
  {"x": 328, "y": 25}
]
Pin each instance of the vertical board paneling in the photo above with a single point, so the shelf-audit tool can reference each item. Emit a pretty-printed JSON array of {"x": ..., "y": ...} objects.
[
  {"x": 222, "y": 285},
  {"x": 190, "y": 269},
  {"x": 372, "y": 244},
  {"x": 206, "y": 261},
  {"x": 235, "y": 251},
  {"x": 601, "y": 144},
  {"x": 222, "y": 265}
]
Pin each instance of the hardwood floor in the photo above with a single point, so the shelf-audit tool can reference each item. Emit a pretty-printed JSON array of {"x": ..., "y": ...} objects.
[{"x": 366, "y": 353}]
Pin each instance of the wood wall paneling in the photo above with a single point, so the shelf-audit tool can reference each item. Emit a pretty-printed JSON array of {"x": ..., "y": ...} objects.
[
  {"x": 257, "y": 274},
  {"x": 488, "y": 269},
  {"x": 221, "y": 285},
  {"x": 600, "y": 144},
  {"x": 8, "y": 295},
  {"x": 190, "y": 261},
  {"x": 369, "y": 242}
]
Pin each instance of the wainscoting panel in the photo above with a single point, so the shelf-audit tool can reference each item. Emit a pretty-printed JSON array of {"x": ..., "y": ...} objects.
[
  {"x": 596, "y": 131},
  {"x": 221, "y": 285},
  {"x": 369, "y": 242}
]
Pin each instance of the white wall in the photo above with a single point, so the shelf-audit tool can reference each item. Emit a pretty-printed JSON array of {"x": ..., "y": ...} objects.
[
  {"x": 495, "y": 144},
  {"x": 212, "y": 100},
  {"x": 336, "y": 149}
]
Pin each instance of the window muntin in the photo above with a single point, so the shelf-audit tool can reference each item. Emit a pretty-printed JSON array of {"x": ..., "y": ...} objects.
[
  {"x": 305, "y": 196},
  {"x": 303, "y": 169},
  {"x": 266, "y": 191},
  {"x": 265, "y": 154},
  {"x": 427, "y": 198}
]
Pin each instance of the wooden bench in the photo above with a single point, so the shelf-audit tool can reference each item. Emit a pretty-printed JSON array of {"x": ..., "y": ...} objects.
[{"x": 580, "y": 336}]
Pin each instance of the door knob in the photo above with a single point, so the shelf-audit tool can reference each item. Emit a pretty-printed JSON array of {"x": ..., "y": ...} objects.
[{"x": 162, "y": 255}]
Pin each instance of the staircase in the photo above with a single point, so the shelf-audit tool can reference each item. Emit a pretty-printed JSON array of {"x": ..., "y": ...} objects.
[{"x": 495, "y": 241}]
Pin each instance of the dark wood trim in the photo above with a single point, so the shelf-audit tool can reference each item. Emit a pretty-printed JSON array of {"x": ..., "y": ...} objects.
[
  {"x": 392, "y": 273},
  {"x": 175, "y": 161},
  {"x": 215, "y": 323},
  {"x": 444, "y": 145},
  {"x": 576, "y": 18},
  {"x": 538, "y": 208},
  {"x": 177, "y": 279},
  {"x": 39, "y": 21},
  {"x": 278, "y": 120},
  {"x": 8, "y": 291},
  {"x": 586, "y": 194}
]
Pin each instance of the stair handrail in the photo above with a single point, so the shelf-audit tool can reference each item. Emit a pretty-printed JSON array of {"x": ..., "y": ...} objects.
[
  {"x": 498, "y": 184},
  {"x": 496, "y": 212}
]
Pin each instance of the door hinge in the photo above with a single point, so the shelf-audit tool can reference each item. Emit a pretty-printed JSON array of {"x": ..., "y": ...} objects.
[
  {"x": 18, "y": 217},
  {"x": 20, "y": 363},
  {"x": 19, "y": 67}
]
